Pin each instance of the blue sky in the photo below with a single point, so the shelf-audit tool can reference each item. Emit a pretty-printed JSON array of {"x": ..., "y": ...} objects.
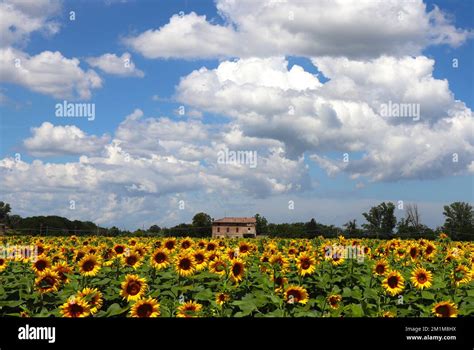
[{"x": 116, "y": 27}]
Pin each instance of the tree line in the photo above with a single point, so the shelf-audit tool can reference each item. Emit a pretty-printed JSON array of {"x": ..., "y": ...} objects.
[{"x": 381, "y": 222}]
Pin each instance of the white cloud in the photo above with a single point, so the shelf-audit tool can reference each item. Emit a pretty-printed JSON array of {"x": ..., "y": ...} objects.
[
  {"x": 49, "y": 140},
  {"x": 343, "y": 115},
  {"x": 112, "y": 64},
  {"x": 302, "y": 28},
  {"x": 20, "y": 18},
  {"x": 49, "y": 73}
]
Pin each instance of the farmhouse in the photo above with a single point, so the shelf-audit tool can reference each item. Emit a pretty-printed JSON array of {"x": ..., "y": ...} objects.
[{"x": 234, "y": 227}]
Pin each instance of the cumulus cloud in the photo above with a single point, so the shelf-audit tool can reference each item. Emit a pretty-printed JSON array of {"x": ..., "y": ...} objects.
[
  {"x": 19, "y": 18},
  {"x": 115, "y": 65},
  {"x": 343, "y": 114},
  {"x": 49, "y": 140},
  {"x": 49, "y": 73},
  {"x": 302, "y": 28}
]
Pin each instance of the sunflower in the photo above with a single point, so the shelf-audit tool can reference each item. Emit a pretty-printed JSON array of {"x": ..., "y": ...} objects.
[
  {"x": 133, "y": 288},
  {"x": 62, "y": 269},
  {"x": 89, "y": 265},
  {"x": 393, "y": 283},
  {"x": 306, "y": 264},
  {"x": 222, "y": 298},
  {"x": 337, "y": 260},
  {"x": 211, "y": 246},
  {"x": 232, "y": 253},
  {"x": 170, "y": 244},
  {"x": 200, "y": 259},
  {"x": 145, "y": 308},
  {"x": 186, "y": 243},
  {"x": 430, "y": 250},
  {"x": 244, "y": 248},
  {"x": 119, "y": 249},
  {"x": 189, "y": 309},
  {"x": 445, "y": 309},
  {"x": 160, "y": 259},
  {"x": 75, "y": 307},
  {"x": 47, "y": 281},
  {"x": 279, "y": 260},
  {"x": 381, "y": 267},
  {"x": 388, "y": 314},
  {"x": 296, "y": 294},
  {"x": 461, "y": 275},
  {"x": 413, "y": 252},
  {"x": 334, "y": 300},
  {"x": 185, "y": 265},
  {"x": 218, "y": 266},
  {"x": 421, "y": 278},
  {"x": 237, "y": 270},
  {"x": 93, "y": 297},
  {"x": 133, "y": 260},
  {"x": 79, "y": 255},
  {"x": 41, "y": 264},
  {"x": 279, "y": 283},
  {"x": 3, "y": 264}
]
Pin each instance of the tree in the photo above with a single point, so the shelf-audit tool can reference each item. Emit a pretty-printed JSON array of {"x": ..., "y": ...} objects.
[
  {"x": 202, "y": 220},
  {"x": 459, "y": 222},
  {"x": 262, "y": 224},
  {"x": 381, "y": 219},
  {"x": 201, "y": 226},
  {"x": 351, "y": 228},
  {"x": 113, "y": 231},
  {"x": 154, "y": 229},
  {"x": 4, "y": 210},
  {"x": 413, "y": 216}
]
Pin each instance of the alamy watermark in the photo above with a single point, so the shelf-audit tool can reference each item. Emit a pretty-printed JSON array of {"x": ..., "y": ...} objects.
[
  {"x": 400, "y": 110},
  {"x": 11, "y": 252},
  {"x": 226, "y": 156},
  {"x": 345, "y": 252},
  {"x": 75, "y": 110}
]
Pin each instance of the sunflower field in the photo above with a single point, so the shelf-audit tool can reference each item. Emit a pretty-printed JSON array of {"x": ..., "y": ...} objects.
[{"x": 184, "y": 277}]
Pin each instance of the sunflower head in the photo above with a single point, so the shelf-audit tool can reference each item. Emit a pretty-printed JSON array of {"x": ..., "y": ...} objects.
[
  {"x": 133, "y": 288},
  {"x": 222, "y": 298},
  {"x": 160, "y": 259},
  {"x": 119, "y": 249},
  {"x": 132, "y": 259},
  {"x": 421, "y": 278},
  {"x": 62, "y": 269},
  {"x": 89, "y": 265},
  {"x": 47, "y": 281},
  {"x": 200, "y": 259},
  {"x": 144, "y": 308},
  {"x": 170, "y": 244},
  {"x": 461, "y": 275},
  {"x": 306, "y": 264},
  {"x": 280, "y": 282},
  {"x": 445, "y": 309},
  {"x": 381, "y": 267},
  {"x": 189, "y": 309},
  {"x": 334, "y": 300},
  {"x": 3, "y": 264},
  {"x": 296, "y": 294},
  {"x": 75, "y": 307},
  {"x": 237, "y": 270},
  {"x": 185, "y": 265},
  {"x": 186, "y": 243},
  {"x": 41, "y": 264},
  {"x": 218, "y": 266},
  {"x": 93, "y": 297},
  {"x": 394, "y": 283}
]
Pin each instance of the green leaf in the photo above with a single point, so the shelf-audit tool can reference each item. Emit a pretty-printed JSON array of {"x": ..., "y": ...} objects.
[{"x": 114, "y": 310}]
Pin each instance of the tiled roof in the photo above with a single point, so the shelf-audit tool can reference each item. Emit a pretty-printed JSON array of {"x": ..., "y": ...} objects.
[{"x": 234, "y": 220}]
